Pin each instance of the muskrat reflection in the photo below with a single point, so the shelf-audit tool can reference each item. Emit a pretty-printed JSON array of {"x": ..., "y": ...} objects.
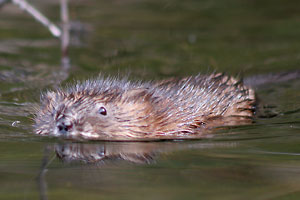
[
  {"x": 134, "y": 152},
  {"x": 102, "y": 153}
]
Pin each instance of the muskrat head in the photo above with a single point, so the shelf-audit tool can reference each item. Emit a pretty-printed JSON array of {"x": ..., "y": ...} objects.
[{"x": 75, "y": 116}]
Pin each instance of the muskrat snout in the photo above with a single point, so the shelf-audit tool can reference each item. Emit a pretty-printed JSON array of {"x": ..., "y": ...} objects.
[{"x": 64, "y": 127}]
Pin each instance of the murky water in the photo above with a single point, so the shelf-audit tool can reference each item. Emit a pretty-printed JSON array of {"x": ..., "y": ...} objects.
[{"x": 152, "y": 40}]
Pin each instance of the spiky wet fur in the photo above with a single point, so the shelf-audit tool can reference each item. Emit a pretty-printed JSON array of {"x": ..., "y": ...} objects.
[{"x": 170, "y": 109}]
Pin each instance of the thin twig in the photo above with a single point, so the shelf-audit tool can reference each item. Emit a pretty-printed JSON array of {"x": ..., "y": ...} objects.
[
  {"x": 24, "y": 5},
  {"x": 65, "y": 37}
]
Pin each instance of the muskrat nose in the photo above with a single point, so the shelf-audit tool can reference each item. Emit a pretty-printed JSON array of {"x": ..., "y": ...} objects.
[{"x": 63, "y": 127}]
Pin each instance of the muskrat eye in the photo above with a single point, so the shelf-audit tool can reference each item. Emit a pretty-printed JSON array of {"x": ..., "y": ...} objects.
[{"x": 102, "y": 111}]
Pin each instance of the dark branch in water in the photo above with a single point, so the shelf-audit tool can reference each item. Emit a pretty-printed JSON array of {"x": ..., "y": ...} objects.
[{"x": 41, "y": 181}]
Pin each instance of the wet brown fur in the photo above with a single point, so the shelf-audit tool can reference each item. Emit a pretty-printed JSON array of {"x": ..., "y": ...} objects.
[{"x": 169, "y": 109}]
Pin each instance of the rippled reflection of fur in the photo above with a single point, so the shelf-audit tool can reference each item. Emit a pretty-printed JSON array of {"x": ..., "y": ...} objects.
[
  {"x": 134, "y": 152},
  {"x": 139, "y": 153}
]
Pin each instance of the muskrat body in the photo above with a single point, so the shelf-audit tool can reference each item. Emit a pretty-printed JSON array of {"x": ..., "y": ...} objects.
[{"x": 113, "y": 109}]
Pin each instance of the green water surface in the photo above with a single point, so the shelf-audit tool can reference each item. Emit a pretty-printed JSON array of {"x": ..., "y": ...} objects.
[{"x": 151, "y": 39}]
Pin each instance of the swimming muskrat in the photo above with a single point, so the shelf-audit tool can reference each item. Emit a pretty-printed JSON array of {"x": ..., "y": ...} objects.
[{"x": 119, "y": 109}]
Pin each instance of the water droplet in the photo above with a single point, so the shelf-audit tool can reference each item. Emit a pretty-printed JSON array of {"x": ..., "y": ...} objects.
[{"x": 15, "y": 123}]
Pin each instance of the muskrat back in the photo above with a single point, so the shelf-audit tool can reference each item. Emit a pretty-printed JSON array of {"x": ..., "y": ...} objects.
[{"x": 119, "y": 109}]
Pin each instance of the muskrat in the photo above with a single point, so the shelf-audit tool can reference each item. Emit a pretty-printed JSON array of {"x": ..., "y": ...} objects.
[{"x": 119, "y": 109}]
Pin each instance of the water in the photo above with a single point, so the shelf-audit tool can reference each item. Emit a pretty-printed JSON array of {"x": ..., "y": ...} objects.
[{"x": 152, "y": 40}]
